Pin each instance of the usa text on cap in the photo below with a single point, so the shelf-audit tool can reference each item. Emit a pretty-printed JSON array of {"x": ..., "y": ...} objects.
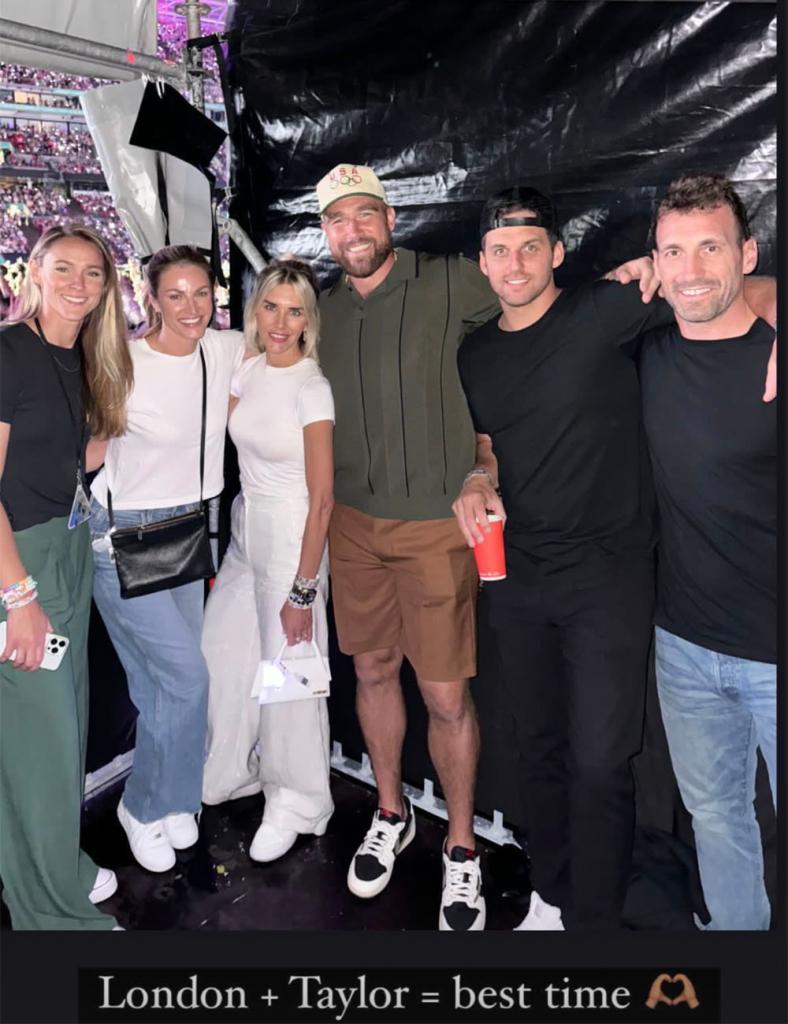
[{"x": 348, "y": 180}]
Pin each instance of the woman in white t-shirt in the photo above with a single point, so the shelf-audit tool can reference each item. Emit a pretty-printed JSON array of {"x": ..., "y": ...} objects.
[
  {"x": 273, "y": 582},
  {"x": 153, "y": 473}
]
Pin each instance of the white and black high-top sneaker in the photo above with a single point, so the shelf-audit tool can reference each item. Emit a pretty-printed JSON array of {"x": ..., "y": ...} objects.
[
  {"x": 462, "y": 905},
  {"x": 371, "y": 867}
]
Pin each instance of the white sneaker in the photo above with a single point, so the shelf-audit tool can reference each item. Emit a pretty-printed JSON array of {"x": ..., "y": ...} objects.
[
  {"x": 151, "y": 848},
  {"x": 181, "y": 830},
  {"x": 541, "y": 917},
  {"x": 463, "y": 907},
  {"x": 105, "y": 885},
  {"x": 270, "y": 842},
  {"x": 373, "y": 862}
]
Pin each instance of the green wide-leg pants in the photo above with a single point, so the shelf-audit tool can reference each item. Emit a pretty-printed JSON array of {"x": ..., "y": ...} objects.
[{"x": 43, "y": 738}]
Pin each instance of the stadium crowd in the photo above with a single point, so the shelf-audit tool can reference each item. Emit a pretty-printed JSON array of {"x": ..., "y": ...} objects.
[
  {"x": 42, "y": 79},
  {"x": 66, "y": 148},
  {"x": 30, "y": 206}
]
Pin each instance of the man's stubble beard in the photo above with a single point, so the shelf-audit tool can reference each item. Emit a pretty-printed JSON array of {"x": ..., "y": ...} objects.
[
  {"x": 715, "y": 306},
  {"x": 366, "y": 266},
  {"x": 527, "y": 299}
]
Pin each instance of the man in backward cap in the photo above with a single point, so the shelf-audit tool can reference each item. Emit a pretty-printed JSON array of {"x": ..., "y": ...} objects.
[
  {"x": 552, "y": 386},
  {"x": 404, "y": 581}
]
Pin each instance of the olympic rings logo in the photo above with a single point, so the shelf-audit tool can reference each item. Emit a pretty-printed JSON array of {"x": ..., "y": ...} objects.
[{"x": 342, "y": 177}]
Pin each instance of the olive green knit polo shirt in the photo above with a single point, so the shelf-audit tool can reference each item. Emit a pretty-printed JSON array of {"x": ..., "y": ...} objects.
[{"x": 403, "y": 439}]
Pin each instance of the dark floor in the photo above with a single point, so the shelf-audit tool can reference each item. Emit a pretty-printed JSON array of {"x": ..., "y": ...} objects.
[{"x": 216, "y": 886}]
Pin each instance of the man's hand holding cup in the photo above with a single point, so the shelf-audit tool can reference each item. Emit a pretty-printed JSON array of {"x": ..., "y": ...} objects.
[
  {"x": 481, "y": 515},
  {"x": 477, "y": 497}
]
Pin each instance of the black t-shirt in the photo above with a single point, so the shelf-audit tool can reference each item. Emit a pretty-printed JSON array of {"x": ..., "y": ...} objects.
[
  {"x": 39, "y": 478},
  {"x": 560, "y": 401},
  {"x": 713, "y": 447}
]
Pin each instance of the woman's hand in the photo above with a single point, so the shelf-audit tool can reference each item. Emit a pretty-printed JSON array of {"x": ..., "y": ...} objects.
[
  {"x": 25, "y": 634},
  {"x": 296, "y": 623}
]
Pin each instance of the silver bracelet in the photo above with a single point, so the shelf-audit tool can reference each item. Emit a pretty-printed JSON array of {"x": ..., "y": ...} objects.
[
  {"x": 479, "y": 471},
  {"x": 303, "y": 592},
  {"x": 298, "y": 598}
]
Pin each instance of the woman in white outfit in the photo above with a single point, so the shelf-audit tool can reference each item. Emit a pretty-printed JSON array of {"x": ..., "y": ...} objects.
[
  {"x": 152, "y": 472},
  {"x": 273, "y": 581}
]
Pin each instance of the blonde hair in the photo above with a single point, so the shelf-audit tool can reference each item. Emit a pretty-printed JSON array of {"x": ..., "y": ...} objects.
[
  {"x": 299, "y": 275},
  {"x": 107, "y": 368},
  {"x": 169, "y": 256}
]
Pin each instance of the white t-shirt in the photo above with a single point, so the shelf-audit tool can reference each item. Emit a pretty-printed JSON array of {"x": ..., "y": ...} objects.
[
  {"x": 156, "y": 463},
  {"x": 267, "y": 424}
]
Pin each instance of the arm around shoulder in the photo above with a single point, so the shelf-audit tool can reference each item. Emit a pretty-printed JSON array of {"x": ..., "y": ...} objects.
[
  {"x": 761, "y": 295},
  {"x": 479, "y": 301},
  {"x": 623, "y": 315}
]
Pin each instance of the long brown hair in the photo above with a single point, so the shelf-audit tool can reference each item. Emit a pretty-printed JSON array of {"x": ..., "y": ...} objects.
[
  {"x": 169, "y": 256},
  {"x": 107, "y": 368}
]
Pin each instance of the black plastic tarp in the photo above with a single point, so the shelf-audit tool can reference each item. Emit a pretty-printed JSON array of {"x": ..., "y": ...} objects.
[{"x": 600, "y": 104}]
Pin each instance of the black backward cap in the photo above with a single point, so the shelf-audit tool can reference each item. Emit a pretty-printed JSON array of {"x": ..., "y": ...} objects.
[{"x": 498, "y": 209}]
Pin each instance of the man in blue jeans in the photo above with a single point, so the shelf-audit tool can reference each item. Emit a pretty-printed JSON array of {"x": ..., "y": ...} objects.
[{"x": 713, "y": 445}]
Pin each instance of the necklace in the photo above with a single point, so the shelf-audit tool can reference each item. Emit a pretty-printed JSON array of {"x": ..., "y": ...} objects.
[{"x": 49, "y": 347}]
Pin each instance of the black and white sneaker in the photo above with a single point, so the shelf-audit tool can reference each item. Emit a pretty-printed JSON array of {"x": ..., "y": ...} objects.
[
  {"x": 462, "y": 905},
  {"x": 371, "y": 867}
]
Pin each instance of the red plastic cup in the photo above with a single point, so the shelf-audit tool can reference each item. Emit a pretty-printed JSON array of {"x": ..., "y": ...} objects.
[{"x": 490, "y": 559}]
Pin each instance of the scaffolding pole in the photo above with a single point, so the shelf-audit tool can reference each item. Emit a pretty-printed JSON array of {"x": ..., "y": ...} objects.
[
  {"x": 193, "y": 11},
  {"x": 231, "y": 228},
  {"x": 113, "y": 57}
]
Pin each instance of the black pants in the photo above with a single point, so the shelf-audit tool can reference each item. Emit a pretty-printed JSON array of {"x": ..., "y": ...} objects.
[{"x": 574, "y": 667}]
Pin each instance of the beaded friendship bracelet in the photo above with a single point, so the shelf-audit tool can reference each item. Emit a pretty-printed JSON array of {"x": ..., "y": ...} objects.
[
  {"x": 20, "y": 587},
  {"x": 20, "y": 602},
  {"x": 17, "y": 595}
]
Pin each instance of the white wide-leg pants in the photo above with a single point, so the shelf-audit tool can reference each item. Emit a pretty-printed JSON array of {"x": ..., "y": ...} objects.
[{"x": 281, "y": 748}]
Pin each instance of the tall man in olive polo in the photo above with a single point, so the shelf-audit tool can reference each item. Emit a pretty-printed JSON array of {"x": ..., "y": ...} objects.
[{"x": 404, "y": 582}]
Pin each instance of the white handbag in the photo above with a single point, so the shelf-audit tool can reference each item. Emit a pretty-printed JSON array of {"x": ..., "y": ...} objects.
[{"x": 297, "y": 678}]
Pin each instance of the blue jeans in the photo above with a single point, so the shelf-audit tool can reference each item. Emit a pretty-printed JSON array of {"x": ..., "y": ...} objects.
[
  {"x": 157, "y": 638},
  {"x": 717, "y": 711}
]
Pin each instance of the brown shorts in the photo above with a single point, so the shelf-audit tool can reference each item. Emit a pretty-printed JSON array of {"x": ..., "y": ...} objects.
[{"x": 404, "y": 583}]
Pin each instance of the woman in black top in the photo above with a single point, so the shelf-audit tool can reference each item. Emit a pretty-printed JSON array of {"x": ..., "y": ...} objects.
[{"x": 64, "y": 371}]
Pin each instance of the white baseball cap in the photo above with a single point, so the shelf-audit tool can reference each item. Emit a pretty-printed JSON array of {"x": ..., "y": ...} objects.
[{"x": 348, "y": 180}]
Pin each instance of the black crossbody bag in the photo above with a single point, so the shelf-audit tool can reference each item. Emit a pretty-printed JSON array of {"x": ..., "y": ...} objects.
[{"x": 171, "y": 552}]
